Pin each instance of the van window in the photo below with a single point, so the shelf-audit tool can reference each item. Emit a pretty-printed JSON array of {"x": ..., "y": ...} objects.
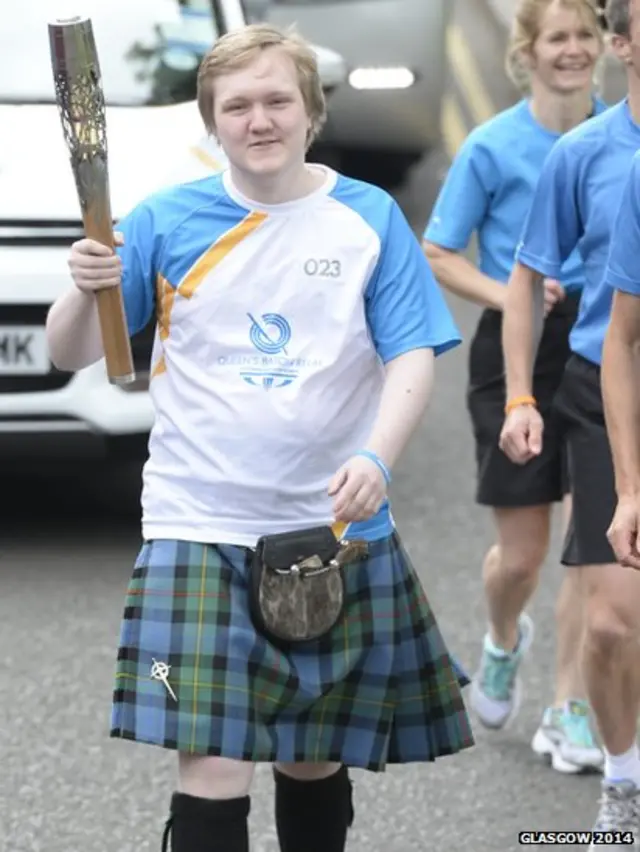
[{"x": 149, "y": 50}]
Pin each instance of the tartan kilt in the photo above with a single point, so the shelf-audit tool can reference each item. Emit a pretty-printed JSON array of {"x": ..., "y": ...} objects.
[{"x": 381, "y": 688}]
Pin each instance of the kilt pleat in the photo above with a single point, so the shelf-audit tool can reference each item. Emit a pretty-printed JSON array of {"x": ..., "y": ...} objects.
[{"x": 193, "y": 675}]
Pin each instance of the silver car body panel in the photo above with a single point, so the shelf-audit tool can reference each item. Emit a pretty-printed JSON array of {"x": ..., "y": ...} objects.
[{"x": 379, "y": 34}]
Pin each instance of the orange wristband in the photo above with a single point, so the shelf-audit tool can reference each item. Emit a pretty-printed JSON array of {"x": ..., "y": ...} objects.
[{"x": 517, "y": 401}]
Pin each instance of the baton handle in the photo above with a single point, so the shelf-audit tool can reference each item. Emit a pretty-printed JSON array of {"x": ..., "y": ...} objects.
[
  {"x": 115, "y": 336},
  {"x": 113, "y": 322}
]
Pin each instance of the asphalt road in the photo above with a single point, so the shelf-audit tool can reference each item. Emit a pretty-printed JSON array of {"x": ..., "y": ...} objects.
[{"x": 64, "y": 566}]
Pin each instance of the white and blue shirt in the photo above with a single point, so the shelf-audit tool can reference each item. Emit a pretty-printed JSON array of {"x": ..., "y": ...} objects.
[{"x": 274, "y": 326}]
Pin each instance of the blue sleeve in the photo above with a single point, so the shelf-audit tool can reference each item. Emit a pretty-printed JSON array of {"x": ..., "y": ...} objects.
[
  {"x": 623, "y": 266},
  {"x": 404, "y": 305},
  {"x": 139, "y": 266},
  {"x": 553, "y": 225},
  {"x": 464, "y": 198}
]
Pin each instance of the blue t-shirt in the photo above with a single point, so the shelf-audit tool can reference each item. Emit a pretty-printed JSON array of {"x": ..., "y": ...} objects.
[
  {"x": 489, "y": 188},
  {"x": 574, "y": 206},
  {"x": 274, "y": 323},
  {"x": 623, "y": 267}
]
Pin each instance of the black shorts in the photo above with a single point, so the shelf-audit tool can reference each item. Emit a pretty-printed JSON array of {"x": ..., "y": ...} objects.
[
  {"x": 500, "y": 482},
  {"x": 579, "y": 407}
]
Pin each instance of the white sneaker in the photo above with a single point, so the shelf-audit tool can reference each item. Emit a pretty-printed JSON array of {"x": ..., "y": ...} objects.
[
  {"x": 618, "y": 817},
  {"x": 566, "y": 737},
  {"x": 496, "y": 690}
]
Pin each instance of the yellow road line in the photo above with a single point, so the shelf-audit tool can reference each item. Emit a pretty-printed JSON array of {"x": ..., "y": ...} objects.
[
  {"x": 454, "y": 127},
  {"x": 467, "y": 73}
]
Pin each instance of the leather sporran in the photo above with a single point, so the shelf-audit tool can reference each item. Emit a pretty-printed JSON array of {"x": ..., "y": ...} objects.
[{"x": 296, "y": 588}]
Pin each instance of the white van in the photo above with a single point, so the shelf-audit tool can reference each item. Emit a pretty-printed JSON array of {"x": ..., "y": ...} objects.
[{"x": 149, "y": 53}]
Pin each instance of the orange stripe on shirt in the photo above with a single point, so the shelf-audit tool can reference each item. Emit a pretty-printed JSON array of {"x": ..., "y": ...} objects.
[
  {"x": 217, "y": 252},
  {"x": 165, "y": 298},
  {"x": 159, "y": 367},
  {"x": 339, "y": 528},
  {"x": 166, "y": 294}
]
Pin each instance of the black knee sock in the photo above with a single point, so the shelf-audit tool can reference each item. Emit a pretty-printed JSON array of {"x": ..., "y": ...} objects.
[
  {"x": 207, "y": 825},
  {"x": 313, "y": 816}
]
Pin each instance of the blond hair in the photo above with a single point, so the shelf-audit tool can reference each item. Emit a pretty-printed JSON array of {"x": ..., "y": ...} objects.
[
  {"x": 237, "y": 49},
  {"x": 526, "y": 29}
]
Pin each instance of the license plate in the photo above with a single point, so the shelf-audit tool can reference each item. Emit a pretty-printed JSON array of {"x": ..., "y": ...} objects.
[{"x": 23, "y": 350}]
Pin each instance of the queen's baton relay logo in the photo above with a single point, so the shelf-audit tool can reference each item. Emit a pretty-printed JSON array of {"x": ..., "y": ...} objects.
[
  {"x": 272, "y": 366},
  {"x": 271, "y": 335}
]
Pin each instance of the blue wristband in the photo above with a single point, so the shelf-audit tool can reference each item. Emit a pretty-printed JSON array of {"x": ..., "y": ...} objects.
[{"x": 378, "y": 461}]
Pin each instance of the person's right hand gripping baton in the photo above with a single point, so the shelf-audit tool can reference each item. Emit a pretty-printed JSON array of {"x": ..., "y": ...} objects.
[{"x": 94, "y": 266}]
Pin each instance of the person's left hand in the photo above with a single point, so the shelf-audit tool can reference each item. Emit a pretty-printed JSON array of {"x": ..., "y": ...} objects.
[
  {"x": 359, "y": 489},
  {"x": 554, "y": 293}
]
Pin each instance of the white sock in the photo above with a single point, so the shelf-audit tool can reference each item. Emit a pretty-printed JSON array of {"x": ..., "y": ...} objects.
[
  {"x": 623, "y": 767},
  {"x": 497, "y": 651}
]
